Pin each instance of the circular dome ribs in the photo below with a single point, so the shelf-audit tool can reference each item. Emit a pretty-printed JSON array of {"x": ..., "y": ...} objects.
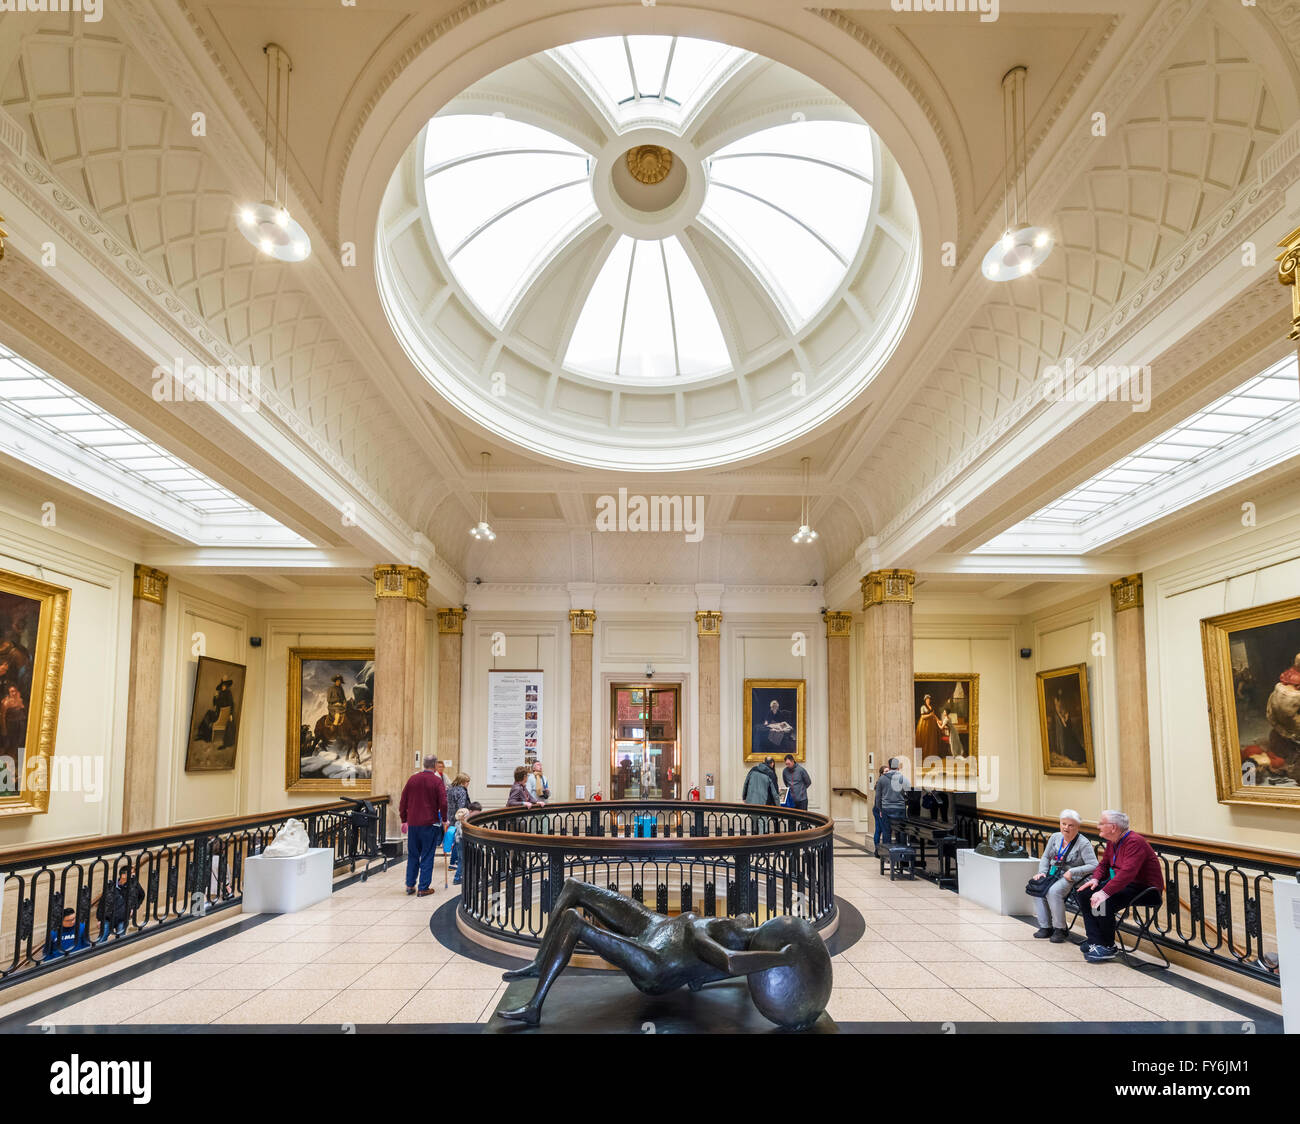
[{"x": 645, "y": 275}]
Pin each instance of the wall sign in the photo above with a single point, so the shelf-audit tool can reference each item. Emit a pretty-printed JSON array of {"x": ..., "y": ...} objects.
[{"x": 514, "y": 723}]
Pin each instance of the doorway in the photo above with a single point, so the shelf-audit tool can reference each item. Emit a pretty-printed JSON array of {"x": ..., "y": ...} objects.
[{"x": 645, "y": 742}]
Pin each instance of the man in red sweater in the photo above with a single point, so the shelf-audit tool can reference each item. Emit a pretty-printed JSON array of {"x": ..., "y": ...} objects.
[
  {"x": 423, "y": 809},
  {"x": 1127, "y": 866}
]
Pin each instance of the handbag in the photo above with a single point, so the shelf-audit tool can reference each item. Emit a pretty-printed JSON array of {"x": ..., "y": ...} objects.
[{"x": 1038, "y": 887}]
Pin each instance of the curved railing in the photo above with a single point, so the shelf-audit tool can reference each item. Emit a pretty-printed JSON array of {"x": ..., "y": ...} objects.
[
  {"x": 1218, "y": 899},
  {"x": 673, "y": 856}
]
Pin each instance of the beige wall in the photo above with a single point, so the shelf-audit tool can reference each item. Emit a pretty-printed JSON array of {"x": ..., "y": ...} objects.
[{"x": 90, "y": 739}]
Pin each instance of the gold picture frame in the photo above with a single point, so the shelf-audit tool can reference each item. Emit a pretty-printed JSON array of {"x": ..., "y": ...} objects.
[
  {"x": 31, "y": 679},
  {"x": 963, "y": 695},
  {"x": 1252, "y": 683},
  {"x": 763, "y": 743},
  {"x": 1065, "y": 728},
  {"x": 356, "y": 667}
]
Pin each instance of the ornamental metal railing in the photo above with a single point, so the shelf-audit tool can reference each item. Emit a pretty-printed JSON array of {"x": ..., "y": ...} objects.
[
  {"x": 1218, "y": 901},
  {"x": 123, "y": 888},
  {"x": 672, "y": 856}
]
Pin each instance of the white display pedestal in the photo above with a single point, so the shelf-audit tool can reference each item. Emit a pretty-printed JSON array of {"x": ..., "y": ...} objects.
[
  {"x": 1286, "y": 904},
  {"x": 996, "y": 884},
  {"x": 273, "y": 885}
]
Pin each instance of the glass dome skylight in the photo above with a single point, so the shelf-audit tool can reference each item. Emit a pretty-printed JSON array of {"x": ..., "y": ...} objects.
[
  {"x": 649, "y": 75},
  {"x": 790, "y": 203},
  {"x": 627, "y": 251}
]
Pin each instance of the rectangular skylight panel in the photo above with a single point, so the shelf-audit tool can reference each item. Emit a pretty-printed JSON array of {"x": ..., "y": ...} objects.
[
  {"x": 1149, "y": 460},
  {"x": 19, "y": 390},
  {"x": 1220, "y": 423}
]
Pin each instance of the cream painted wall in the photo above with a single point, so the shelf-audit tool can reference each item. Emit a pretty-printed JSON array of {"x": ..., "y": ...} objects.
[
  {"x": 300, "y": 628},
  {"x": 1079, "y": 631},
  {"x": 197, "y": 623},
  {"x": 532, "y": 642},
  {"x": 90, "y": 738},
  {"x": 985, "y": 648},
  {"x": 755, "y": 647},
  {"x": 1252, "y": 568}
]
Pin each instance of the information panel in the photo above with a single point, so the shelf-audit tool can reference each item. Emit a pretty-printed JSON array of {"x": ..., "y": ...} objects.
[{"x": 514, "y": 723}]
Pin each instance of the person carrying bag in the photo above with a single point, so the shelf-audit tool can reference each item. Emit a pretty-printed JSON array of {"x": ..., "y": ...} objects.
[{"x": 1066, "y": 859}]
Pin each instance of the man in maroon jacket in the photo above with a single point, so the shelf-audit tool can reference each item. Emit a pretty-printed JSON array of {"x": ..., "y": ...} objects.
[
  {"x": 1127, "y": 866},
  {"x": 423, "y": 810}
]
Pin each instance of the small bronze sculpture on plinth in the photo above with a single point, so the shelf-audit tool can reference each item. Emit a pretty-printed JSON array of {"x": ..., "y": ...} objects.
[
  {"x": 786, "y": 962},
  {"x": 999, "y": 845}
]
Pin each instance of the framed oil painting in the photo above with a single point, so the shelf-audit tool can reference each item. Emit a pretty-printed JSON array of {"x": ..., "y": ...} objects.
[
  {"x": 1065, "y": 722},
  {"x": 1252, "y": 679},
  {"x": 33, "y": 632},
  {"x": 215, "y": 716},
  {"x": 774, "y": 720},
  {"x": 947, "y": 709},
  {"x": 331, "y": 720}
]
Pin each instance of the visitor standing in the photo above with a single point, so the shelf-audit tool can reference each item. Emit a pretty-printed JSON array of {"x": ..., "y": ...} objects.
[
  {"x": 423, "y": 810},
  {"x": 797, "y": 780}
]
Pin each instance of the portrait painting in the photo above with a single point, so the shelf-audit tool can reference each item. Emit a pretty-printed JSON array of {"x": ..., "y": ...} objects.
[
  {"x": 946, "y": 706},
  {"x": 215, "y": 716},
  {"x": 774, "y": 719},
  {"x": 331, "y": 720},
  {"x": 1252, "y": 679},
  {"x": 33, "y": 632},
  {"x": 1065, "y": 722}
]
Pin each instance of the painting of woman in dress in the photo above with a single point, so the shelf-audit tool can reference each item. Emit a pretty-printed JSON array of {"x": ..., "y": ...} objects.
[
  {"x": 1065, "y": 722},
  {"x": 947, "y": 714}
]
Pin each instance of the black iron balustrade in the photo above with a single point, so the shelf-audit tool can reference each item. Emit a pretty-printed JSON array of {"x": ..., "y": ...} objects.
[
  {"x": 172, "y": 877},
  {"x": 672, "y": 856},
  {"x": 1217, "y": 901}
]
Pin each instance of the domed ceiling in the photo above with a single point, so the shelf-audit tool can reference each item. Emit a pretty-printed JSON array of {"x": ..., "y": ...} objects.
[{"x": 648, "y": 251}]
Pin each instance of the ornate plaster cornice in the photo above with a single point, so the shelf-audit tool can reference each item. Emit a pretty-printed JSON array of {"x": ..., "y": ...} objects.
[
  {"x": 33, "y": 183},
  {"x": 1252, "y": 206}
]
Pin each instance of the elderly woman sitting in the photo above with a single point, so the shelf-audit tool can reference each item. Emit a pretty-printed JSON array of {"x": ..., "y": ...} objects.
[{"x": 1067, "y": 858}]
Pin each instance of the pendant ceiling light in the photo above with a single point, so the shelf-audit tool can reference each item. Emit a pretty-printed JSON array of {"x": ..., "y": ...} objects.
[
  {"x": 805, "y": 534},
  {"x": 482, "y": 530},
  {"x": 1023, "y": 247},
  {"x": 268, "y": 224}
]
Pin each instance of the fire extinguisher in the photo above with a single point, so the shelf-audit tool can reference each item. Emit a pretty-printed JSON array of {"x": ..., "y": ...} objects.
[
  {"x": 596, "y": 795},
  {"x": 694, "y": 794}
]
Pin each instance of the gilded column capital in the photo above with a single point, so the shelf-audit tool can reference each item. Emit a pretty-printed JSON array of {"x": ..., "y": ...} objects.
[
  {"x": 1126, "y": 593},
  {"x": 839, "y": 625},
  {"x": 881, "y": 587},
  {"x": 407, "y": 582},
  {"x": 708, "y": 622},
  {"x": 451, "y": 622},
  {"x": 149, "y": 585},
  {"x": 582, "y": 622},
  {"x": 1288, "y": 265}
]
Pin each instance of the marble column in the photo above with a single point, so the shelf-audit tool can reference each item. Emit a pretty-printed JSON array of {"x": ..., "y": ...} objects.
[
  {"x": 887, "y": 664},
  {"x": 140, "y": 783},
  {"x": 400, "y": 643},
  {"x": 1131, "y": 701},
  {"x": 708, "y": 632},
  {"x": 582, "y": 631},
  {"x": 451, "y": 632},
  {"x": 839, "y": 630}
]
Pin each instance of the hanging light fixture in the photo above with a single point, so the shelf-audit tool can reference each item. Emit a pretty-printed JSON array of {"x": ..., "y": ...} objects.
[
  {"x": 482, "y": 530},
  {"x": 805, "y": 534},
  {"x": 1022, "y": 247},
  {"x": 268, "y": 224}
]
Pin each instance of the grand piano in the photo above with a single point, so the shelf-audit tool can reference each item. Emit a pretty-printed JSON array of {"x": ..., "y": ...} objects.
[{"x": 938, "y": 824}]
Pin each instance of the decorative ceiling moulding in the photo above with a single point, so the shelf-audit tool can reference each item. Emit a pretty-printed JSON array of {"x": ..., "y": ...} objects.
[
  {"x": 448, "y": 23},
  {"x": 37, "y": 187},
  {"x": 968, "y": 230},
  {"x": 1251, "y": 207},
  {"x": 1063, "y": 171},
  {"x": 151, "y": 34}
]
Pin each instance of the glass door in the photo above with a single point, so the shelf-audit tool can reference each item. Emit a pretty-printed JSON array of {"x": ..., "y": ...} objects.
[{"x": 645, "y": 742}]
